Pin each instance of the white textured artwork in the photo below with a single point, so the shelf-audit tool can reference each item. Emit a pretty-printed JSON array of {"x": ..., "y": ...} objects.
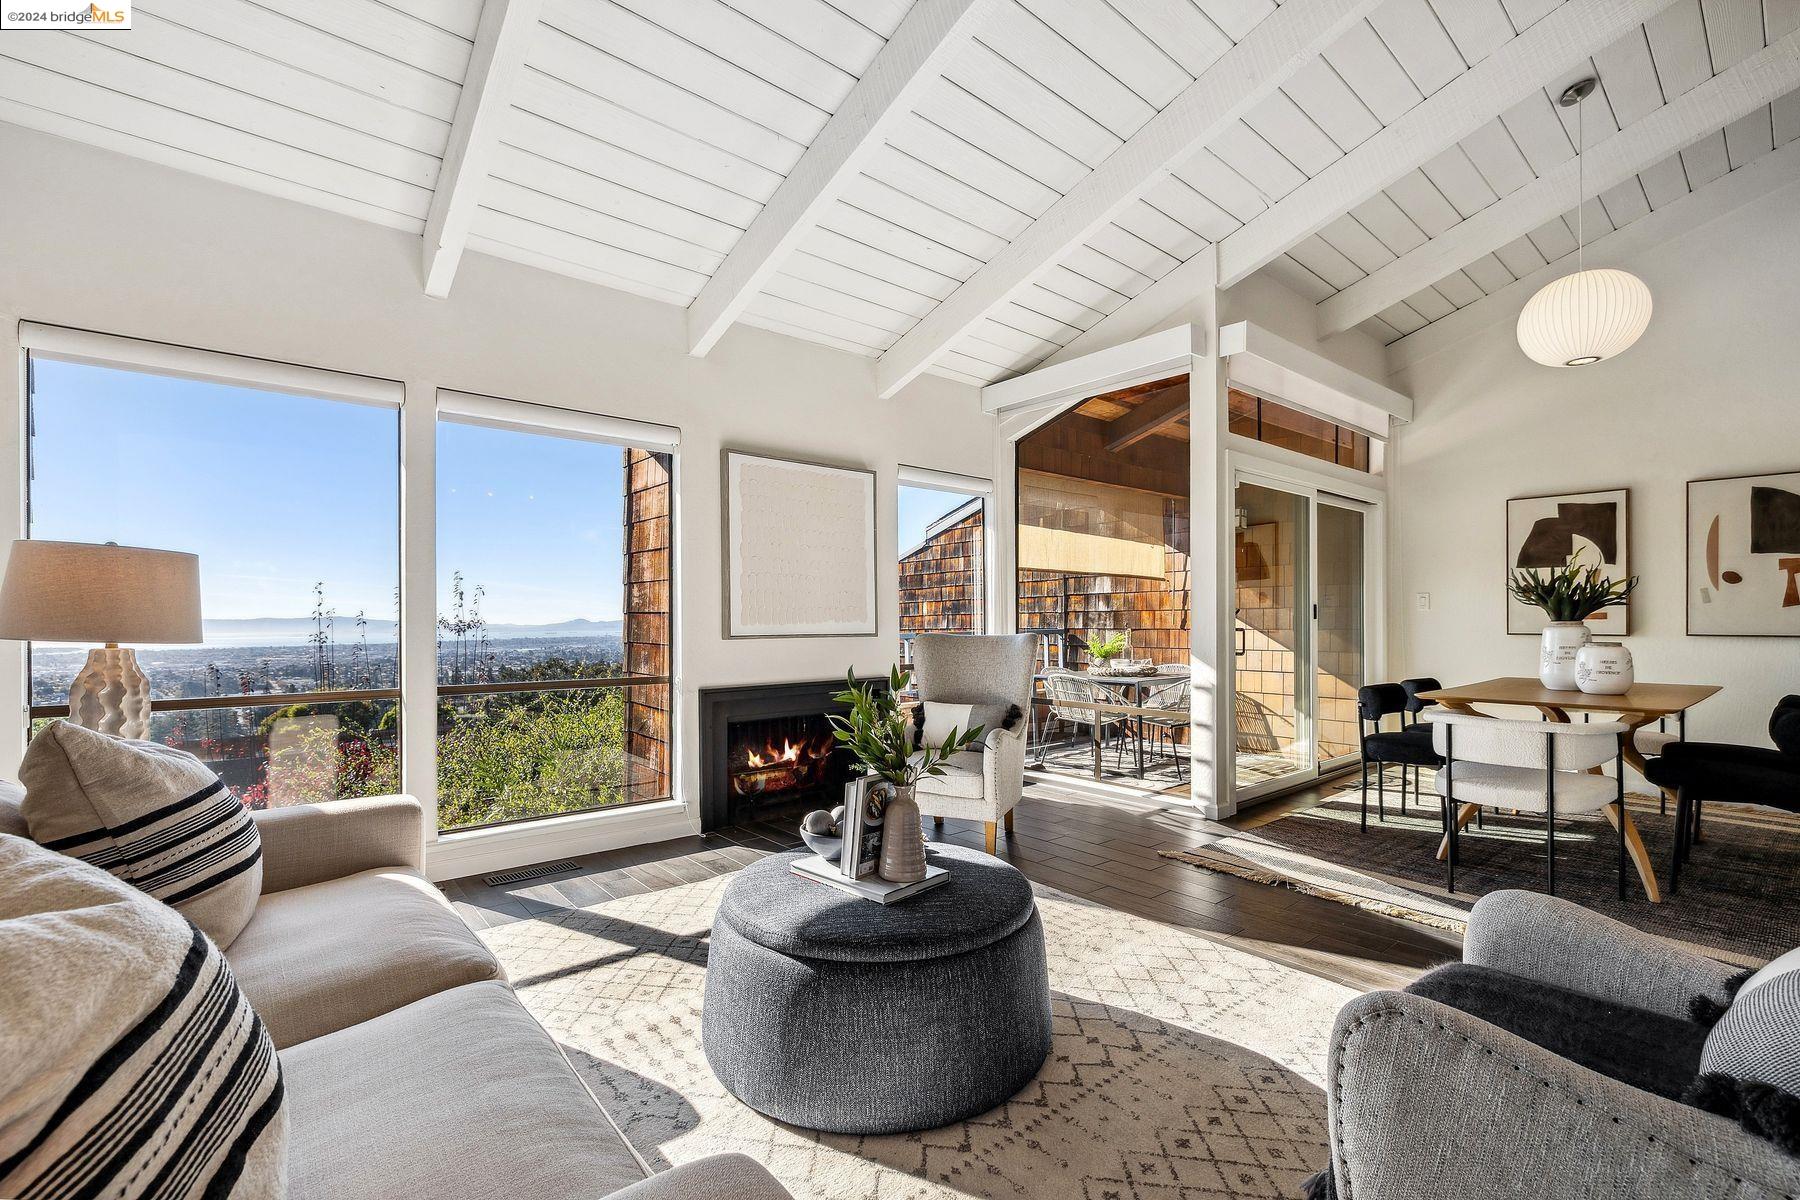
[{"x": 800, "y": 549}]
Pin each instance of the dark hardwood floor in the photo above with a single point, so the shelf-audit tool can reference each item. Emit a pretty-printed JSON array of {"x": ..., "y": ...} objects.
[{"x": 1102, "y": 849}]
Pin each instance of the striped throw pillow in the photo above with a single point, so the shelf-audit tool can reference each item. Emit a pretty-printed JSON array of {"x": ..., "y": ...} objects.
[
  {"x": 131, "y": 1065},
  {"x": 154, "y": 816}
]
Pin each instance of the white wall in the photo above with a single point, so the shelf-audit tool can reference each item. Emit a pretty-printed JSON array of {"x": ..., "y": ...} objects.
[
  {"x": 103, "y": 242},
  {"x": 1712, "y": 389}
]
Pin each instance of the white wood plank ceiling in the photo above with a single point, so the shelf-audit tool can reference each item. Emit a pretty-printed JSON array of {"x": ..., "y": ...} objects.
[{"x": 960, "y": 186}]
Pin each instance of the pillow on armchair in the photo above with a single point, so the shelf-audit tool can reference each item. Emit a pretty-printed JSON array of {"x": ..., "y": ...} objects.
[
  {"x": 155, "y": 816},
  {"x": 1750, "y": 1066},
  {"x": 935, "y": 719},
  {"x": 130, "y": 1063}
]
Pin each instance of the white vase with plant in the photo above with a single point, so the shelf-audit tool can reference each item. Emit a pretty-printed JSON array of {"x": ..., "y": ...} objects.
[
  {"x": 878, "y": 734},
  {"x": 1569, "y": 595}
]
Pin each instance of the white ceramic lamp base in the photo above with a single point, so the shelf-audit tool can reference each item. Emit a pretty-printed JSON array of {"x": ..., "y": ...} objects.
[{"x": 111, "y": 694}]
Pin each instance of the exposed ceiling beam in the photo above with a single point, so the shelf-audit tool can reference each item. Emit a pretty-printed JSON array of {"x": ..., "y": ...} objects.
[
  {"x": 1149, "y": 309},
  {"x": 913, "y": 59},
  {"x": 495, "y": 62},
  {"x": 1751, "y": 182},
  {"x": 1281, "y": 44},
  {"x": 1554, "y": 46},
  {"x": 1156, "y": 413},
  {"x": 1766, "y": 75}
]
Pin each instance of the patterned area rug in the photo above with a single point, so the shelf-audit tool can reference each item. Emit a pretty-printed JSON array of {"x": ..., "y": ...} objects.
[
  {"x": 1181, "y": 1067},
  {"x": 1734, "y": 902}
]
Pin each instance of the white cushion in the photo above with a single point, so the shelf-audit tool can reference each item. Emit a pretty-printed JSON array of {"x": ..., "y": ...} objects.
[
  {"x": 941, "y": 720},
  {"x": 1651, "y": 742},
  {"x": 316, "y": 959},
  {"x": 130, "y": 1063},
  {"x": 962, "y": 778},
  {"x": 461, "y": 1094},
  {"x": 1523, "y": 788},
  {"x": 155, "y": 816}
]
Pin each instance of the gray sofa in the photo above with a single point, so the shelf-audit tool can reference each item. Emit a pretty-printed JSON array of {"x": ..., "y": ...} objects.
[
  {"x": 412, "y": 1069},
  {"x": 1427, "y": 1101}
]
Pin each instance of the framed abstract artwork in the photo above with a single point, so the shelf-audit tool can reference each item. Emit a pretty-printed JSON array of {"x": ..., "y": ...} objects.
[
  {"x": 799, "y": 548},
  {"x": 1743, "y": 556},
  {"x": 1544, "y": 532}
]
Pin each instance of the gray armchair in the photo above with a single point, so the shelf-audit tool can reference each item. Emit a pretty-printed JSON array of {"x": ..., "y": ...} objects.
[
  {"x": 1427, "y": 1101},
  {"x": 978, "y": 785}
]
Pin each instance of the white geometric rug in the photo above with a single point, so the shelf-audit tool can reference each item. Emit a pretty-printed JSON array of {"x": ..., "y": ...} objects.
[{"x": 1181, "y": 1067}]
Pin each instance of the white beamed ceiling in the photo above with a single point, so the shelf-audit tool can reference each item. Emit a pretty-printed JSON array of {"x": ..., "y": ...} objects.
[{"x": 643, "y": 137}]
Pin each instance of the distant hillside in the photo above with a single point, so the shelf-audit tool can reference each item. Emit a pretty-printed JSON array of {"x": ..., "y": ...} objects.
[{"x": 281, "y": 631}]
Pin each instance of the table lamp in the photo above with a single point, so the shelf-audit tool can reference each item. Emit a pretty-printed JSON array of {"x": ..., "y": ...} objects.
[{"x": 80, "y": 592}]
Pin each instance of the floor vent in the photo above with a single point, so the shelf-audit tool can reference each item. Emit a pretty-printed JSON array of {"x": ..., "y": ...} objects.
[{"x": 521, "y": 874}]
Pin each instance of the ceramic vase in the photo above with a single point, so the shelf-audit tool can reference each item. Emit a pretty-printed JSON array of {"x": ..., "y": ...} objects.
[
  {"x": 1561, "y": 642},
  {"x": 902, "y": 841},
  {"x": 1604, "y": 669}
]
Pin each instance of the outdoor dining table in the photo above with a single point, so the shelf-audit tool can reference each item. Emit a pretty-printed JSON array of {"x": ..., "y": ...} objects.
[
  {"x": 1136, "y": 685},
  {"x": 1642, "y": 704}
]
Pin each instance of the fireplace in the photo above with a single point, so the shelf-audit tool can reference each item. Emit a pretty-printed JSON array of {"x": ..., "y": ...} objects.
[{"x": 768, "y": 744}]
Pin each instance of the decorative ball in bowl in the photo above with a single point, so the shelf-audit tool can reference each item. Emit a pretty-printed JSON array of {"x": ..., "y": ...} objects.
[{"x": 823, "y": 832}]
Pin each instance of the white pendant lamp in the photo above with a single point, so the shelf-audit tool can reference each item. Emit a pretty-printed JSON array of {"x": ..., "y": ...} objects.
[{"x": 1589, "y": 316}]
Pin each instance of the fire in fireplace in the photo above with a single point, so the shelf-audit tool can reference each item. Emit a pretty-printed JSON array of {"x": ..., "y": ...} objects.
[{"x": 780, "y": 758}]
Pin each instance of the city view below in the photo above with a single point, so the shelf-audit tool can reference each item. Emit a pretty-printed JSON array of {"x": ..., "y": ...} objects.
[{"x": 291, "y": 664}]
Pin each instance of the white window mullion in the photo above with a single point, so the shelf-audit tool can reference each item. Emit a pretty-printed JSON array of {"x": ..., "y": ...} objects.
[
  {"x": 418, "y": 598},
  {"x": 12, "y": 525}
]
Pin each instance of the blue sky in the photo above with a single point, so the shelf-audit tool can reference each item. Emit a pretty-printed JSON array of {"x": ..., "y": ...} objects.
[
  {"x": 919, "y": 507},
  {"x": 538, "y": 521},
  {"x": 275, "y": 492}
]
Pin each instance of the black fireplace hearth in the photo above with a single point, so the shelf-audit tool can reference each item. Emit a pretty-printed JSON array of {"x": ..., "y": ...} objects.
[{"x": 768, "y": 744}]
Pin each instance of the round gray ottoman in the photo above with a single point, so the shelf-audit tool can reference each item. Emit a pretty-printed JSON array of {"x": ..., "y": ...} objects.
[{"x": 835, "y": 1013}]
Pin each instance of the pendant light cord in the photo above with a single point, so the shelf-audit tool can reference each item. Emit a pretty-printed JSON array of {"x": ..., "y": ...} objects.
[{"x": 1580, "y": 184}]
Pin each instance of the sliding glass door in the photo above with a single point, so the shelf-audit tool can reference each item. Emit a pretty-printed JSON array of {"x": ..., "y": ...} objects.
[{"x": 1300, "y": 631}]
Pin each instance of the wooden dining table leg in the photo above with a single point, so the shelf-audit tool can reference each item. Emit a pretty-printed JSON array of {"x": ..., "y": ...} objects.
[
  {"x": 1640, "y": 855},
  {"x": 1464, "y": 815}
]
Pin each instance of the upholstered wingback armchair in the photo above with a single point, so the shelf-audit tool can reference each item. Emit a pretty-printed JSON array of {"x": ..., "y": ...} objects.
[
  {"x": 1429, "y": 1100},
  {"x": 991, "y": 673}
]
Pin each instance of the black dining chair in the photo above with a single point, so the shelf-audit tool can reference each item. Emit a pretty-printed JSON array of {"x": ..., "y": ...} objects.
[
  {"x": 1719, "y": 773},
  {"x": 1407, "y": 746},
  {"x": 1415, "y": 706}
]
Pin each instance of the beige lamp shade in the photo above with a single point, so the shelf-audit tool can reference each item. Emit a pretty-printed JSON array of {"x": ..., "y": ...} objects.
[{"x": 81, "y": 592}]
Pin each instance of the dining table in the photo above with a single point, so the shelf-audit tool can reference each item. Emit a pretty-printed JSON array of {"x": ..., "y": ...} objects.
[
  {"x": 1634, "y": 708},
  {"x": 1135, "y": 686}
]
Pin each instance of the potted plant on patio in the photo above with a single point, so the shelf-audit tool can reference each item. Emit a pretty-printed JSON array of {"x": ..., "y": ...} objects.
[
  {"x": 1569, "y": 595},
  {"x": 879, "y": 736},
  {"x": 1104, "y": 650}
]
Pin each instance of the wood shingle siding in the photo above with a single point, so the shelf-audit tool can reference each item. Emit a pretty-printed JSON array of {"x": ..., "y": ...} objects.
[
  {"x": 942, "y": 583},
  {"x": 647, "y": 634}
]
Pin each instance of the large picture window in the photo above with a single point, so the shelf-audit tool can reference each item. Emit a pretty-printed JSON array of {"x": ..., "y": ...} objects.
[
  {"x": 290, "y": 498},
  {"x": 554, "y": 634},
  {"x": 553, "y": 530}
]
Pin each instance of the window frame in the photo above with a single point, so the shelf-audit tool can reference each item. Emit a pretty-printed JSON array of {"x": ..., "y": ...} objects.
[
  {"x": 520, "y": 416},
  {"x": 39, "y": 342}
]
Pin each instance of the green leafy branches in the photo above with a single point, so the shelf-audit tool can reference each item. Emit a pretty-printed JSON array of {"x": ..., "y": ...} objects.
[
  {"x": 879, "y": 735},
  {"x": 1571, "y": 592},
  {"x": 1108, "y": 648}
]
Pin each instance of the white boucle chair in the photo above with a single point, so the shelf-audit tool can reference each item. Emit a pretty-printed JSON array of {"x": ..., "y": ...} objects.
[
  {"x": 1531, "y": 766},
  {"x": 978, "y": 785}
]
